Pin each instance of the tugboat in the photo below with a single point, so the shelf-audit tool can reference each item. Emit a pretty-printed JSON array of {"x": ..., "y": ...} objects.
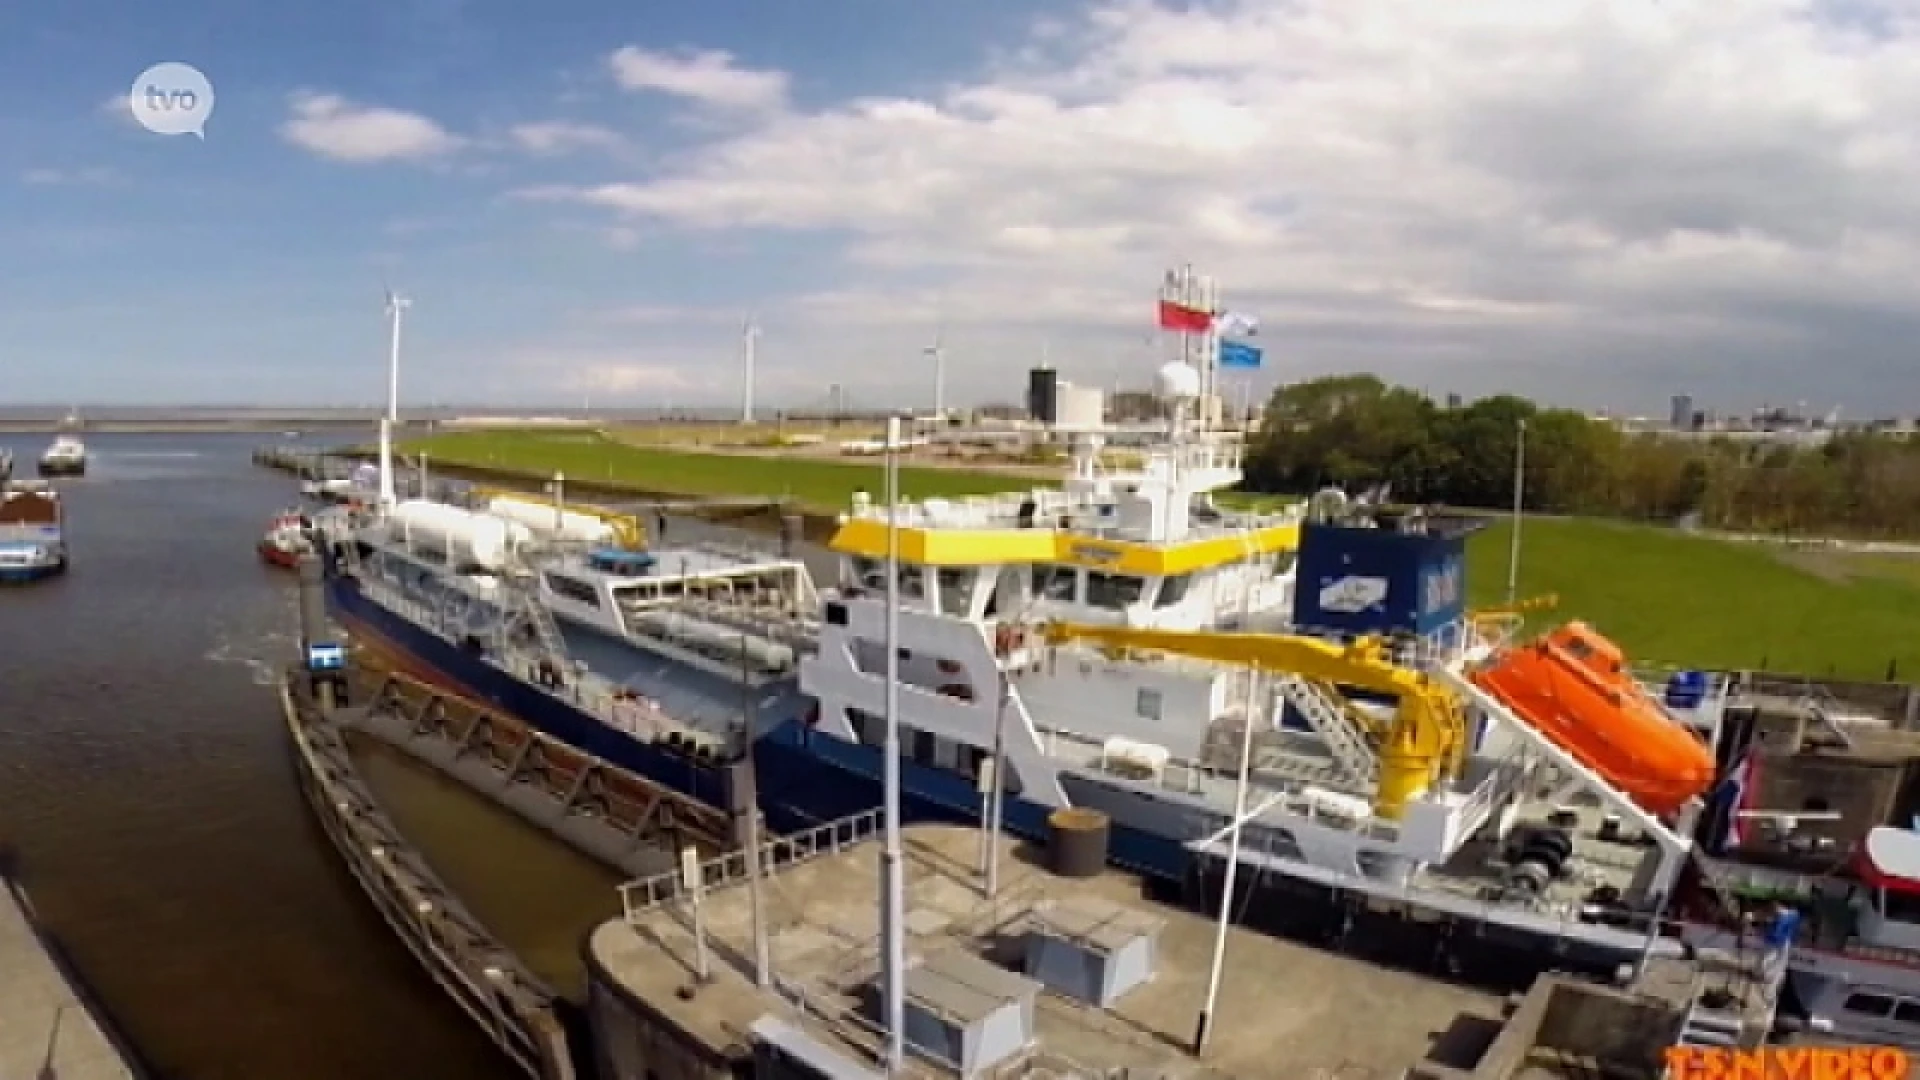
[
  {"x": 286, "y": 540},
  {"x": 65, "y": 456},
  {"x": 32, "y": 545}
]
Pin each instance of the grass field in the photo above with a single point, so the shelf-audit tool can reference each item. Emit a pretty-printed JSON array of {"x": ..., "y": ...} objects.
[
  {"x": 1669, "y": 598},
  {"x": 821, "y": 485},
  {"x": 1666, "y": 597},
  {"x": 741, "y": 434}
]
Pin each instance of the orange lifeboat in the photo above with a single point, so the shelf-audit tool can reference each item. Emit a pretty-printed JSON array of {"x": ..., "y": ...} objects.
[{"x": 1573, "y": 686}]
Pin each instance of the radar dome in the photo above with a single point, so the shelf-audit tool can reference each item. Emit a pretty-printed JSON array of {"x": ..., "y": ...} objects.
[{"x": 1179, "y": 381}]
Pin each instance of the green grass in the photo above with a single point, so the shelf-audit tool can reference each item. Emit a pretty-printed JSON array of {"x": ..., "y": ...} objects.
[
  {"x": 822, "y": 485},
  {"x": 1670, "y": 598}
]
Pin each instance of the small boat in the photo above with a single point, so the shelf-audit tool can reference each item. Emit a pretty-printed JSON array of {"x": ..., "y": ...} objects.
[
  {"x": 286, "y": 539},
  {"x": 32, "y": 543},
  {"x": 65, "y": 456}
]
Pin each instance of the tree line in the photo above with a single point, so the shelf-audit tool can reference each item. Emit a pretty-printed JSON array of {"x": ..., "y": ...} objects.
[{"x": 1356, "y": 431}]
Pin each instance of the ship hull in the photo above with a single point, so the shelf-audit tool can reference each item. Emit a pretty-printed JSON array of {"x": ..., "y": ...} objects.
[
  {"x": 63, "y": 468},
  {"x": 806, "y": 778},
  {"x": 26, "y": 575},
  {"x": 275, "y": 555}
]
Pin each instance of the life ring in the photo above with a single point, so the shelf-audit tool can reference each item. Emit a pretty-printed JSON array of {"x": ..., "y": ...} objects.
[
  {"x": 958, "y": 690},
  {"x": 949, "y": 667}
]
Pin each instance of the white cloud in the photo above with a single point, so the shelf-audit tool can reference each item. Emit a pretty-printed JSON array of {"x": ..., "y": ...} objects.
[
  {"x": 332, "y": 127},
  {"x": 708, "y": 77},
  {"x": 1525, "y": 183},
  {"x": 560, "y": 137}
]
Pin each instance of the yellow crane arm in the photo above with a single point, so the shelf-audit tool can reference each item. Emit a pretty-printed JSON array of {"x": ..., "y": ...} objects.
[
  {"x": 1426, "y": 741},
  {"x": 1363, "y": 663}
]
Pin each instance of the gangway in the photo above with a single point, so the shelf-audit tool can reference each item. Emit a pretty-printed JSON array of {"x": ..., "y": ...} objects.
[
  {"x": 1333, "y": 722},
  {"x": 534, "y": 614}
]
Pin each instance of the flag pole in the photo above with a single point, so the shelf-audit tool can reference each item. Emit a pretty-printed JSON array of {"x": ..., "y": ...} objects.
[{"x": 892, "y": 881}]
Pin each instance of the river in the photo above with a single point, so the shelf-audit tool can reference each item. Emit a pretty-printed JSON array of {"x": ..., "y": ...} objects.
[{"x": 146, "y": 785}]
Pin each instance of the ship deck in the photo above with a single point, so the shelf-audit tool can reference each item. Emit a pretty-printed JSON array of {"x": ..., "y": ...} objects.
[
  {"x": 1322, "y": 1012},
  {"x": 1287, "y": 761}
]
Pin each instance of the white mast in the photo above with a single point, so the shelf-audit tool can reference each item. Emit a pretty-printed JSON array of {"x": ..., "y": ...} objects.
[
  {"x": 893, "y": 960},
  {"x": 395, "y": 305},
  {"x": 749, "y": 335}
]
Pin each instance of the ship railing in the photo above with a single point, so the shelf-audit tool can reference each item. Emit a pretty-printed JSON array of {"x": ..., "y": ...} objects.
[{"x": 644, "y": 894}]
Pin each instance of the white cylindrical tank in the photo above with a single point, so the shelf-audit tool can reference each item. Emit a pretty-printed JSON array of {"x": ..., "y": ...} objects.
[
  {"x": 466, "y": 537},
  {"x": 1080, "y": 407},
  {"x": 720, "y": 640},
  {"x": 544, "y": 520}
]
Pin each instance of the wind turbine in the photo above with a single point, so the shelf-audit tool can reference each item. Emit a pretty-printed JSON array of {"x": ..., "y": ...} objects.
[
  {"x": 395, "y": 305},
  {"x": 939, "y": 354},
  {"x": 749, "y": 336}
]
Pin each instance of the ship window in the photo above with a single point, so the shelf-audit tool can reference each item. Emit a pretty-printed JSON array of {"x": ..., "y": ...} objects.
[
  {"x": 573, "y": 589},
  {"x": 1147, "y": 703},
  {"x": 1907, "y": 1012},
  {"x": 867, "y": 573},
  {"x": 1173, "y": 590},
  {"x": 1114, "y": 591},
  {"x": 1901, "y": 906},
  {"x": 912, "y": 583},
  {"x": 1056, "y": 582},
  {"x": 1869, "y": 1004},
  {"x": 868, "y": 728},
  {"x": 956, "y": 591},
  {"x": 1578, "y": 648}
]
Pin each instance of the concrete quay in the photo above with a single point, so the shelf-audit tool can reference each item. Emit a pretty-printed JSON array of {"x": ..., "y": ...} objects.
[
  {"x": 977, "y": 1005},
  {"x": 46, "y": 1027}
]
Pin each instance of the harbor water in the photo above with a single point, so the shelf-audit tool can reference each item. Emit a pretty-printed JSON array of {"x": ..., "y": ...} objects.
[{"x": 146, "y": 785}]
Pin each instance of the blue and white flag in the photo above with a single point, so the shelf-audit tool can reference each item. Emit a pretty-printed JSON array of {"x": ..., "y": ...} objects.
[
  {"x": 1237, "y": 354},
  {"x": 1235, "y": 324}
]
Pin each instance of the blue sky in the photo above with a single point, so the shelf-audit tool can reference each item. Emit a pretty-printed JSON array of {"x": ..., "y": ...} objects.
[{"x": 1600, "y": 202}]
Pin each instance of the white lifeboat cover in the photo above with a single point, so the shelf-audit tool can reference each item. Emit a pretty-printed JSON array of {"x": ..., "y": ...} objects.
[{"x": 1892, "y": 859}]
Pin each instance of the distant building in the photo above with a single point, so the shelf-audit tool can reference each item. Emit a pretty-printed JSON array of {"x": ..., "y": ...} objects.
[
  {"x": 1453, "y": 401},
  {"x": 1043, "y": 395},
  {"x": 1681, "y": 416}
]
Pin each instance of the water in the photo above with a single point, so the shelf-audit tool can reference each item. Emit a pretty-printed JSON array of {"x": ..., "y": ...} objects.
[{"x": 145, "y": 782}]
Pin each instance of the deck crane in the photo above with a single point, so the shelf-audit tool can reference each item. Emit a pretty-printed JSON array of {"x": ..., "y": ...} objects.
[{"x": 1425, "y": 742}]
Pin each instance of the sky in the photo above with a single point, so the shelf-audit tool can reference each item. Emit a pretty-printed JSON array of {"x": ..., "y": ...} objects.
[{"x": 1598, "y": 204}]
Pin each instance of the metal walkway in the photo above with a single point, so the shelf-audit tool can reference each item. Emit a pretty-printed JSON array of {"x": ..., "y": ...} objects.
[{"x": 46, "y": 1029}]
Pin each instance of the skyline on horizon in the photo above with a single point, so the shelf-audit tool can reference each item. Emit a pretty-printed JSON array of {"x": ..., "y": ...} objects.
[{"x": 1592, "y": 203}]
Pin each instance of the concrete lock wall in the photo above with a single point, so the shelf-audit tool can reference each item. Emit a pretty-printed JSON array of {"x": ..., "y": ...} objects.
[{"x": 1614, "y": 1032}]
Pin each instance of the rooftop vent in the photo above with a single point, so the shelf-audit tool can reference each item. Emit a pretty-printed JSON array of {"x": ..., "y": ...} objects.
[
  {"x": 1091, "y": 950},
  {"x": 966, "y": 1013}
]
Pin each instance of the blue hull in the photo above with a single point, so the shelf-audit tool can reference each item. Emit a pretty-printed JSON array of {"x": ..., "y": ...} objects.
[
  {"x": 807, "y": 779},
  {"x": 804, "y": 778},
  {"x": 21, "y": 575}
]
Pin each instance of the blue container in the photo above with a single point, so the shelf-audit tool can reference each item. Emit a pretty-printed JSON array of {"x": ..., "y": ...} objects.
[
  {"x": 1686, "y": 689},
  {"x": 1376, "y": 581}
]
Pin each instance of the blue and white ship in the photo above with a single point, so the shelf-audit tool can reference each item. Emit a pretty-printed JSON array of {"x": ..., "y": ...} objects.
[
  {"x": 1121, "y": 643},
  {"x": 32, "y": 541}
]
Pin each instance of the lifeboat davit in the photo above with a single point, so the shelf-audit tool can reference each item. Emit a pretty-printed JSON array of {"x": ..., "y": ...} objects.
[{"x": 1574, "y": 687}]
